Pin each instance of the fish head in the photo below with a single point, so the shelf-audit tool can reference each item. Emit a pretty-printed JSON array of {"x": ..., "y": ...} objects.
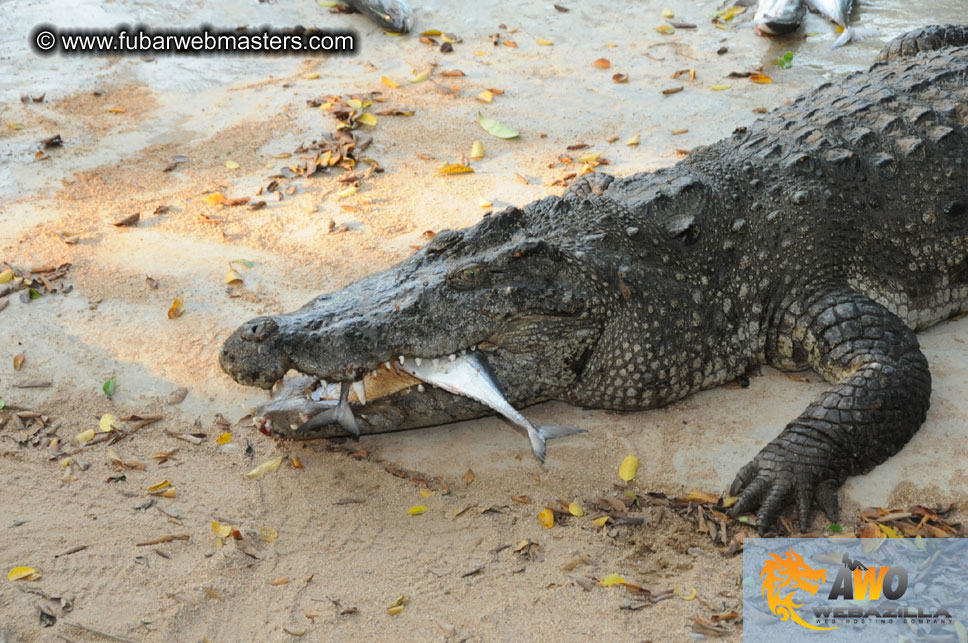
[{"x": 778, "y": 17}]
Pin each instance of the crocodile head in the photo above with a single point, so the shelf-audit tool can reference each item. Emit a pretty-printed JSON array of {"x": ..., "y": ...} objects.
[{"x": 492, "y": 287}]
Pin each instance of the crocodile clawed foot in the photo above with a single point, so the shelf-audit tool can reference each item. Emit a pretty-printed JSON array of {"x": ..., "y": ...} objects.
[{"x": 774, "y": 479}]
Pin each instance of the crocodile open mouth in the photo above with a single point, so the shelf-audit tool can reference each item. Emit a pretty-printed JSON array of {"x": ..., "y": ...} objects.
[
  {"x": 298, "y": 400},
  {"x": 307, "y": 404}
]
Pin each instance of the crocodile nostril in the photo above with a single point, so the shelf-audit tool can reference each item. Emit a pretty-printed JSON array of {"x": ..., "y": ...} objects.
[{"x": 259, "y": 330}]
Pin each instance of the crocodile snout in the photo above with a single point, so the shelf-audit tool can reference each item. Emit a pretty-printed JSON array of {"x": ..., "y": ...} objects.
[{"x": 259, "y": 329}]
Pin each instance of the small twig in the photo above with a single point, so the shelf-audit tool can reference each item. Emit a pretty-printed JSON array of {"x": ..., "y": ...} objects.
[
  {"x": 163, "y": 539},
  {"x": 72, "y": 550},
  {"x": 106, "y": 635}
]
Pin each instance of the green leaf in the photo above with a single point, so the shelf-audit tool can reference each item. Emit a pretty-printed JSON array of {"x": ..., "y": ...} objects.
[
  {"x": 785, "y": 61},
  {"x": 2, "y": 405},
  {"x": 109, "y": 387},
  {"x": 244, "y": 262},
  {"x": 836, "y": 528},
  {"x": 34, "y": 294},
  {"x": 494, "y": 128}
]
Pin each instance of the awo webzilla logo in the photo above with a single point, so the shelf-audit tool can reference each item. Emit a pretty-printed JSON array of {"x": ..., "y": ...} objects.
[{"x": 784, "y": 576}]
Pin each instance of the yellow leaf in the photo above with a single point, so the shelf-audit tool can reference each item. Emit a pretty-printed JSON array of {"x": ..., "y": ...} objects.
[
  {"x": 232, "y": 278},
  {"x": 116, "y": 109},
  {"x": 65, "y": 461},
  {"x": 666, "y": 29},
  {"x": 668, "y": 13},
  {"x": 419, "y": 78},
  {"x": 495, "y": 128},
  {"x": 18, "y": 126},
  {"x": 612, "y": 579},
  {"x": 485, "y": 96},
  {"x": 296, "y": 463},
  {"x": 544, "y": 42},
  {"x": 107, "y": 423},
  {"x": 264, "y": 468},
  {"x": 216, "y": 198},
  {"x": 484, "y": 203},
  {"x": 730, "y": 13},
  {"x": 6, "y": 276},
  {"x": 329, "y": 4},
  {"x": 367, "y": 119},
  {"x": 350, "y": 191},
  {"x": 222, "y": 531},
  {"x": 477, "y": 150},
  {"x": 454, "y": 168},
  {"x": 393, "y": 33},
  {"x": 311, "y": 76},
  {"x": 431, "y": 32},
  {"x": 268, "y": 534},
  {"x": 398, "y": 605},
  {"x": 546, "y": 518},
  {"x": 23, "y": 573},
  {"x": 280, "y": 581},
  {"x": 588, "y": 158},
  {"x": 389, "y": 83},
  {"x": 416, "y": 510},
  {"x": 480, "y": 53},
  {"x": 575, "y": 510},
  {"x": 225, "y": 438},
  {"x": 600, "y": 522},
  {"x": 167, "y": 493},
  {"x": 176, "y": 309},
  {"x": 447, "y": 38},
  {"x": 890, "y": 532},
  {"x": 761, "y": 79},
  {"x": 685, "y": 597},
  {"x": 628, "y": 468},
  {"x": 701, "y": 496},
  {"x": 232, "y": 165},
  {"x": 426, "y": 493},
  {"x": 719, "y": 88},
  {"x": 164, "y": 484},
  {"x": 85, "y": 436},
  {"x": 632, "y": 142}
]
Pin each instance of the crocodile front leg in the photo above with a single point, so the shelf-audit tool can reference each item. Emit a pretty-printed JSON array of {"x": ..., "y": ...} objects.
[{"x": 880, "y": 398}]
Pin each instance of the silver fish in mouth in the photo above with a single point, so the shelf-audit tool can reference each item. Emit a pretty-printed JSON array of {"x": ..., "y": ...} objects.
[
  {"x": 392, "y": 15},
  {"x": 778, "y": 17},
  {"x": 297, "y": 402},
  {"x": 838, "y": 12},
  {"x": 469, "y": 375}
]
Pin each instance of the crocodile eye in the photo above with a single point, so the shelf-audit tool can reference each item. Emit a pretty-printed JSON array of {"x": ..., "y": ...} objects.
[{"x": 469, "y": 276}]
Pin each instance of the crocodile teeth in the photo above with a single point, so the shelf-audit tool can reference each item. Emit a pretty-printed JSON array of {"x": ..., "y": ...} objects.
[
  {"x": 435, "y": 362},
  {"x": 360, "y": 391},
  {"x": 420, "y": 387},
  {"x": 387, "y": 364},
  {"x": 402, "y": 359},
  {"x": 373, "y": 373},
  {"x": 418, "y": 360},
  {"x": 452, "y": 357}
]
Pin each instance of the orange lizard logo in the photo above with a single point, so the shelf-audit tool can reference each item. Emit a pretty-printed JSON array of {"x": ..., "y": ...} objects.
[{"x": 782, "y": 578}]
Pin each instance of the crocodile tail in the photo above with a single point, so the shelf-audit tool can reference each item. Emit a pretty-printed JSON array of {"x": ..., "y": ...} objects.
[{"x": 540, "y": 436}]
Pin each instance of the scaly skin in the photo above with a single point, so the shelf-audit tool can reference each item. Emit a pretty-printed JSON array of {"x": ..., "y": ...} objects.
[{"x": 819, "y": 237}]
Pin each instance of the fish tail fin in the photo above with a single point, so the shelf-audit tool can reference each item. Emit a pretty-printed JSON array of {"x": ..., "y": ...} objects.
[
  {"x": 540, "y": 436},
  {"x": 854, "y": 34},
  {"x": 318, "y": 420},
  {"x": 344, "y": 415}
]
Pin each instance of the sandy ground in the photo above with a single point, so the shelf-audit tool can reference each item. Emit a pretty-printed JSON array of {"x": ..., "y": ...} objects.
[{"x": 331, "y": 544}]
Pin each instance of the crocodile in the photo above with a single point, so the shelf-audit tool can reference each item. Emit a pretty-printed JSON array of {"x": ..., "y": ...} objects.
[{"x": 820, "y": 237}]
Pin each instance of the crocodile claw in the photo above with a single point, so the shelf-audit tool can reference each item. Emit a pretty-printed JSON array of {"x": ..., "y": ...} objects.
[{"x": 775, "y": 478}]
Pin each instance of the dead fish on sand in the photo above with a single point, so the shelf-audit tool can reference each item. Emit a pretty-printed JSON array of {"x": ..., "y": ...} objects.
[
  {"x": 778, "y": 17},
  {"x": 838, "y": 12},
  {"x": 391, "y": 15}
]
